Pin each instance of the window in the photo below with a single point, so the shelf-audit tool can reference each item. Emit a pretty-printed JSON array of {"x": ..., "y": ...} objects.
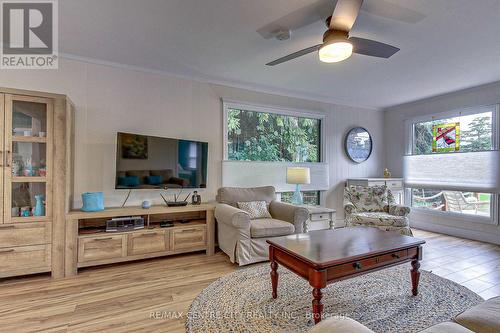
[
  {"x": 446, "y": 162},
  {"x": 453, "y": 201},
  {"x": 265, "y": 134},
  {"x": 475, "y": 133},
  {"x": 310, "y": 197}
]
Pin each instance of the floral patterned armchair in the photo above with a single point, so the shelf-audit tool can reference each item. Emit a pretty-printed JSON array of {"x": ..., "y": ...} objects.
[{"x": 375, "y": 207}]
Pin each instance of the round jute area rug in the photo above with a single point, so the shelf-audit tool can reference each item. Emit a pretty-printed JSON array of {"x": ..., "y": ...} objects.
[{"x": 382, "y": 300}]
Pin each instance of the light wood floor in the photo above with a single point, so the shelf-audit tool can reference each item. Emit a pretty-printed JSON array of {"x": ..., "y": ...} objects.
[{"x": 123, "y": 298}]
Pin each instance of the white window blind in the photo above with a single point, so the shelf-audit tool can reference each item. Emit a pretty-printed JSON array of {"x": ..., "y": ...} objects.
[
  {"x": 472, "y": 171},
  {"x": 251, "y": 174}
]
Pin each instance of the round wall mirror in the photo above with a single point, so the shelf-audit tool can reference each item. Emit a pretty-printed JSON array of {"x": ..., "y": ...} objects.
[{"x": 358, "y": 144}]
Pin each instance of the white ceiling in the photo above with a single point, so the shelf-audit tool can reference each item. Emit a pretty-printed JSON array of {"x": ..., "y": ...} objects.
[{"x": 456, "y": 46}]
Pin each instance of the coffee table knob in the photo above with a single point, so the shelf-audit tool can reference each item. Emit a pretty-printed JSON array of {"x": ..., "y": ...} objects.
[{"x": 357, "y": 265}]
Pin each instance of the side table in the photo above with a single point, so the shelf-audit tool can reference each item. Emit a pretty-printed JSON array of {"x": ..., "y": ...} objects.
[{"x": 320, "y": 214}]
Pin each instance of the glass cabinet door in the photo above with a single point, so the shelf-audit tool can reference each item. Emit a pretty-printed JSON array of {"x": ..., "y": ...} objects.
[{"x": 28, "y": 149}]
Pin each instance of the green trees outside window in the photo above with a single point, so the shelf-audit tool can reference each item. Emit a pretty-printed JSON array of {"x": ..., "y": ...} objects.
[{"x": 261, "y": 136}]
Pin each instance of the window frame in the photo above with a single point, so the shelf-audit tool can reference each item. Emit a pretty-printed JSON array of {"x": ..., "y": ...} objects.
[
  {"x": 494, "y": 218},
  {"x": 255, "y": 107}
]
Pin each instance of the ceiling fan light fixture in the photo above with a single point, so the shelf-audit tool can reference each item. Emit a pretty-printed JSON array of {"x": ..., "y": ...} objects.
[{"x": 335, "y": 52}]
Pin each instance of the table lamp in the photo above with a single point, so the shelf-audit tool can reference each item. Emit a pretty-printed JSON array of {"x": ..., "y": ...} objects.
[{"x": 298, "y": 176}]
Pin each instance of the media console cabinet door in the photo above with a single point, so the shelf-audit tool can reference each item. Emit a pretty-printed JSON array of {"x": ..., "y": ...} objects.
[{"x": 28, "y": 158}]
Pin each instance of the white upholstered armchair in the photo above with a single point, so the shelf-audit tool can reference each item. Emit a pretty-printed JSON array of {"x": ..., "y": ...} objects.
[{"x": 244, "y": 239}]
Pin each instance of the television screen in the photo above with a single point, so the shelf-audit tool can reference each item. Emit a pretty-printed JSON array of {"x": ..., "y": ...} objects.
[{"x": 149, "y": 162}]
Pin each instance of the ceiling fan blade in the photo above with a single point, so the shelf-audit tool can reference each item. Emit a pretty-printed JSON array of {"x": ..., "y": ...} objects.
[
  {"x": 393, "y": 11},
  {"x": 294, "y": 55},
  {"x": 372, "y": 48},
  {"x": 345, "y": 14},
  {"x": 299, "y": 18}
]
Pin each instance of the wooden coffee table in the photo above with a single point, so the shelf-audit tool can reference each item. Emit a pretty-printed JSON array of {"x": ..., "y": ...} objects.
[{"x": 326, "y": 256}]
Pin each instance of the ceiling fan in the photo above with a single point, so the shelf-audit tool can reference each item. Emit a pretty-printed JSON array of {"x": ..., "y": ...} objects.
[{"x": 337, "y": 44}]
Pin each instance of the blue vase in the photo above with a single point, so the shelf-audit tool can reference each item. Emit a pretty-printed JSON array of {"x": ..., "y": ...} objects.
[
  {"x": 93, "y": 201},
  {"x": 39, "y": 206}
]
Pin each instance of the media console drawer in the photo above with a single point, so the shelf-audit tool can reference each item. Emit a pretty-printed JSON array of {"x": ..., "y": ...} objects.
[
  {"x": 101, "y": 247},
  {"x": 188, "y": 237},
  {"x": 148, "y": 242}
]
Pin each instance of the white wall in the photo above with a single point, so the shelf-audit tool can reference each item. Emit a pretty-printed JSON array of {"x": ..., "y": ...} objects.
[
  {"x": 109, "y": 99},
  {"x": 395, "y": 139}
]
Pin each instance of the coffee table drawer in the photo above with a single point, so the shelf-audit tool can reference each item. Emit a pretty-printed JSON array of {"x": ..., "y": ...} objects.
[
  {"x": 351, "y": 268},
  {"x": 395, "y": 256}
]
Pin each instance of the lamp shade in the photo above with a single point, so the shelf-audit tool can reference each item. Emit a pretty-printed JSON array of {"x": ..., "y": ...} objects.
[{"x": 298, "y": 175}]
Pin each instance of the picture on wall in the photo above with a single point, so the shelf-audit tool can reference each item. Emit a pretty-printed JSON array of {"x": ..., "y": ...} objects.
[
  {"x": 134, "y": 146},
  {"x": 446, "y": 137}
]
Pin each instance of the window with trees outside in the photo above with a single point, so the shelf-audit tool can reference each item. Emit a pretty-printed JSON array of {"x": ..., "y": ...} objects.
[
  {"x": 267, "y": 136},
  {"x": 473, "y": 132}
]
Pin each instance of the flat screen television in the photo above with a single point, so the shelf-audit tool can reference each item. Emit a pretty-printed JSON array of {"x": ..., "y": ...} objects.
[{"x": 150, "y": 162}]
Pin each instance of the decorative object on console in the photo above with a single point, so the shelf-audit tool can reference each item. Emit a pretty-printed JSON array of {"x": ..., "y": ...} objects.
[
  {"x": 196, "y": 198},
  {"x": 146, "y": 204},
  {"x": 39, "y": 206},
  {"x": 387, "y": 173},
  {"x": 298, "y": 176},
  {"x": 358, "y": 144},
  {"x": 93, "y": 201}
]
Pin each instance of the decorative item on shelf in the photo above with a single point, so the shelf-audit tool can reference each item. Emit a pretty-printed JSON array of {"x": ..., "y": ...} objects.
[
  {"x": 28, "y": 133},
  {"x": 42, "y": 134},
  {"x": 42, "y": 172},
  {"x": 196, "y": 198},
  {"x": 25, "y": 211},
  {"x": 93, "y": 201},
  {"x": 15, "y": 212},
  {"x": 39, "y": 206},
  {"x": 387, "y": 173},
  {"x": 28, "y": 168},
  {"x": 358, "y": 144},
  {"x": 17, "y": 167},
  {"x": 146, "y": 204},
  {"x": 298, "y": 176}
]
